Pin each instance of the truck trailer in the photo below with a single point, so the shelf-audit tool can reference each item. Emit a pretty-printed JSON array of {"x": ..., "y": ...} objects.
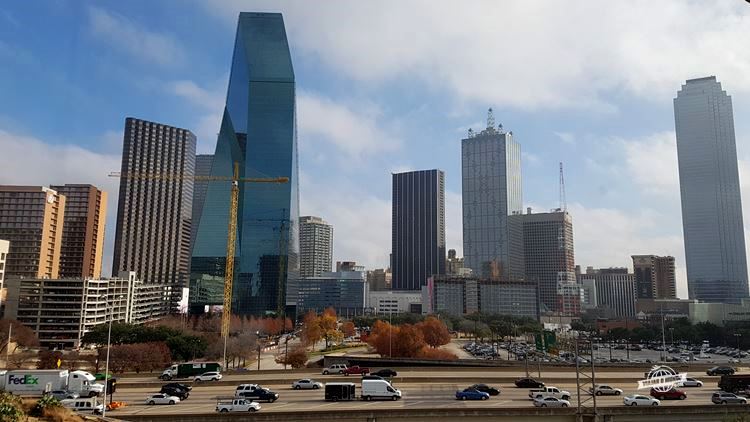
[
  {"x": 189, "y": 369},
  {"x": 35, "y": 382}
]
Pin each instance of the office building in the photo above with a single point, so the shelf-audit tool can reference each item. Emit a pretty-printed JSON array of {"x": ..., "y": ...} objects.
[
  {"x": 61, "y": 311},
  {"x": 82, "y": 246},
  {"x": 615, "y": 291},
  {"x": 258, "y": 131},
  {"x": 710, "y": 191},
  {"x": 395, "y": 302},
  {"x": 4, "y": 247},
  {"x": 203, "y": 163},
  {"x": 468, "y": 295},
  {"x": 345, "y": 291},
  {"x": 720, "y": 313},
  {"x": 32, "y": 220},
  {"x": 654, "y": 277},
  {"x": 315, "y": 246},
  {"x": 549, "y": 259},
  {"x": 491, "y": 193},
  {"x": 418, "y": 228},
  {"x": 454, "y": 265},
  {"x": 379, "y": 279},
  {"x": 154, "y": 214}
]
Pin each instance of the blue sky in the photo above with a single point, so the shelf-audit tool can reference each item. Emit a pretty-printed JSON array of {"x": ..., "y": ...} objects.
[{"x": 390, "y": 86}]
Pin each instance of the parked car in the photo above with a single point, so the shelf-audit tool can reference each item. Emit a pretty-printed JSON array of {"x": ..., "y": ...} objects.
[
  {"x": 528, "y": 383},
  {"x": 692, "y": 382},
  {"x": 306, "y": 384},
  {"x": 640, "y": 400},
  {"x": 356, "y": 370},
  {"x": 551, "y": 402},
  {"x": 727, "y": 398},
  {"x": 385, "y": 373},
  {"x": 336, "y": 368},
  {"x": 673, "y": 394},
  {"x": 208, "y": 376},
  {"x": 492, "y": 391},
  {"x": 260, "y": 394},
  {"x": 62, "y": 394},
  {"x": 471, "y": 394},
  {"x": 721, "y": 370},
  {"x": 162, "y": 398},
  {"x": 605, "y": 390}
]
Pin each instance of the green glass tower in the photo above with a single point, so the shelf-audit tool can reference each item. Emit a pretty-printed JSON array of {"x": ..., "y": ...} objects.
[{"x": 258, "y": 131}]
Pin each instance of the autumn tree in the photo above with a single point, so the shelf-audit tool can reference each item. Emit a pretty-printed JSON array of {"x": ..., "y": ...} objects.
[
  {"x": 348, "y": 329},
  {"x": 48, "y": 359},
  {"x": 382, "y": 336},
  {"x": 296, "y": 358},
  {"x": 329, "y": 326},
  {"x": 434, "y": 332},
  {"x": 311, "y": 331},
  {"x": 409, "y": 341},
  {"x": 21, "y": 335}
]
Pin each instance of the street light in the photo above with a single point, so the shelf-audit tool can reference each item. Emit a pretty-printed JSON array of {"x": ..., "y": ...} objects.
[
  {"x": 671, "y": 335},
  {"x": 257, "y": 339},
  {"x": 106, "y": 365},
  {"x": 286, "y": 350}
]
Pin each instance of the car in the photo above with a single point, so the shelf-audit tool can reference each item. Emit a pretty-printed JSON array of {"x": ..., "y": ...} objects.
[
  {"x": 177, "y": 392},
  {"x": 471, "y": 394},
  {"x": 673, "y": 394},
  {"x": 640, "y": 400},
  {"x": 486, "y": 389},
  {"x": 306, "y": 384},
  {"x": 721, "y": 397},
  {"x": 385, "y": 373},
  {"x": 551, "y": 402},
  {"x": 356, "y": 370},
  {"x": 692, "y": 382},
  {"x": 605, "y": 390},
  {"x": 528, "y": 383},
  {"x": 261, "y": 394},
  {"x": 336, "y": 368},
  {"x": 208, "y": 376},
  {"x": 720, "y": 370},
  {"x": 162, "y": 398},
  {"x": 62, "y": 394},
  {"x": 178, "y": 385}
]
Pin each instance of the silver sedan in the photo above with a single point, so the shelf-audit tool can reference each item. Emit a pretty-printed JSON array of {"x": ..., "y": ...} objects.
[{"x": 306, "y": 384}]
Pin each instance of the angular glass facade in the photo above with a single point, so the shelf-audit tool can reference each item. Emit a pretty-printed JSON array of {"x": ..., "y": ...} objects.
[
  {"x": 258, "y": 131},
  {"x": 491, "y": 191},
  {"x": 710, "y": 192}
]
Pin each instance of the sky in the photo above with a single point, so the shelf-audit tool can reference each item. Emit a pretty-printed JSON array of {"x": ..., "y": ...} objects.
[{"x": 391, "y": 86}]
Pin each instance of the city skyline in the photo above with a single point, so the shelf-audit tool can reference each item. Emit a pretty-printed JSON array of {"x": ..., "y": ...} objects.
[{"x": 605, "y": 128}]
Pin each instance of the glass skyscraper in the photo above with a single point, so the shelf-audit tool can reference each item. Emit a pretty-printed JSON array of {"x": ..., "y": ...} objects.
[
  {"x": 491, "y": 192},
  {"x": 710, "y": 192},
  {"x": 258, "y": 131}
]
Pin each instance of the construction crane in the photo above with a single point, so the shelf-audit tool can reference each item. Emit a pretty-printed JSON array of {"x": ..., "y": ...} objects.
[{"x": 235, "y": 179}]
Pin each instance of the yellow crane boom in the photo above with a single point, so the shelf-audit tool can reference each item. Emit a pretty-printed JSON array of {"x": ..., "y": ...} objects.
[{"x": 235, "y": 179}]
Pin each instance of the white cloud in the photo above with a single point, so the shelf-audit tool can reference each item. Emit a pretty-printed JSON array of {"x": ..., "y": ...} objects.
[
  {"x": 210, "y": 103},
  {"x": 136, "y": 40},
  {"x": 29, "y": 161},
  {"x": 530, "y": 158},
  {"x": 566, "y": 137},
  {"x": 520, "y": 53},
  {"x": 199, "y": 96},
  {"x": 652, "y": 162}
]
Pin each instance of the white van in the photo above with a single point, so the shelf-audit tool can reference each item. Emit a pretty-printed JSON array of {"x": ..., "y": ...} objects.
[
  {"x": 83, "y": 405},
  {"x": 379, "y": 389}
]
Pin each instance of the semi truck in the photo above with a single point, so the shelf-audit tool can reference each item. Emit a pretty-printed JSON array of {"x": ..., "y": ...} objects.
[
  {"x": 189, "y": 369},
  {"x": 35, "y": 382}
]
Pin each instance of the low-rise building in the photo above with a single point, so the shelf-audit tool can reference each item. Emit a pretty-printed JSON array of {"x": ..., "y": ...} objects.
[
  {"x": 468, "y": 295},
  {"x": 379, "y": 279},
  {"x": 4, "y": 247},
  {"x": 719, "y": 313},
  {"x": 653, "y": 309},
  {"x": 61, "y": 311},
  {"x": 395, "y": 302},
  {"x": 345, "y": 291}
]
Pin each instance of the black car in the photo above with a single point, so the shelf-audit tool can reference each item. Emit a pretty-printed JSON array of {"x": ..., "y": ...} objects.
[
  {"x": 385, "y": 373},
  {"x": 177, "y": 392},
  {"x": 486, "y": 389},
  {"x": 720, "y": 370},
  {"x": 529, "y": 383},
  {"x": 178, "y": 385},
  {"x": 260, "y": 394}
]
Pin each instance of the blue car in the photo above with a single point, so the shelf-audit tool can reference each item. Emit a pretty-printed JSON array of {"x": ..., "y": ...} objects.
[{"x": 471, "y": 394}]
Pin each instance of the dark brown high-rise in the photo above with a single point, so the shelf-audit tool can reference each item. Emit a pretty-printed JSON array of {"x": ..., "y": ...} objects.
[
  {"x": 154, "y": 214},
  {"x": 83, "y": 231}
]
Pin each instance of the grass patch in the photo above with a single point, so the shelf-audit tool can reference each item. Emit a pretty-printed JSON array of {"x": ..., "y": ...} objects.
[{"x": 337, "y": 348}]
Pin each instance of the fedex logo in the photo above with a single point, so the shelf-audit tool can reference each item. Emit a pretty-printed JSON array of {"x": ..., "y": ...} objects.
[{"x": 26, "y": 379}]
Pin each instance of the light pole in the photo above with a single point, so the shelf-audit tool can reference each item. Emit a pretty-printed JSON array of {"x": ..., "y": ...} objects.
[
  {"x": 257, "y": 338},
  {"x": 671, "y": 336},
  {"x": 390, "y": 333},
  {"x": 286, "y": 350},
  {"x": 106, "y": 364},
  {"x": 738, "y": 335}
]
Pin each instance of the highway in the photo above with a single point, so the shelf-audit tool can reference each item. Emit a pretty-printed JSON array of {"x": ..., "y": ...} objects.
[{"x": 422, "y": 389}]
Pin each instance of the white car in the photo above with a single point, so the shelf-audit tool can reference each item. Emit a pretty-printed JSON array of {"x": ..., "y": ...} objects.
[
  {"x": 306, "y": 384},
  {"x": 640, "y": 400},
  {"x": 208, "y": 376},
  {"x": 692, "y": 382},
  {"x": 606, "y": 390},
  {"x": 162, "y": 398},
  {"x": 551, "y": 402}
]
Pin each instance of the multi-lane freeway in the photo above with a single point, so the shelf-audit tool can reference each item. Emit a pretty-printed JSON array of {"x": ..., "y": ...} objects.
[{"x": 422, "y": 389}]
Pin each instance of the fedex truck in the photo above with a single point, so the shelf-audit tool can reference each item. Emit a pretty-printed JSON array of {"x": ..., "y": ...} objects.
[{"x": 35, "y": 382}]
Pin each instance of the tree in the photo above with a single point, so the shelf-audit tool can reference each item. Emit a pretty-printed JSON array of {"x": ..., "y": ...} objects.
[
  {"x": 21, "y": 335},
  {"x": 48, "y": 359},
  {"x": 434, "y": 332},
  {"x": 21, "y": 359},
  {"x": 382, "y": 338},
  {"x": 311, "y": 331},
  {"x": 348, "y": 329},
  {"x": 409, "y": 341},
  {"x": 297, "y": 358}
]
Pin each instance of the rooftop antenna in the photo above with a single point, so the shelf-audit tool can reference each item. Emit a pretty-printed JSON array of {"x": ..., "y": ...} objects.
[
  {"x": 490, "y": 119},
  {"x": 563, "y": 200}
]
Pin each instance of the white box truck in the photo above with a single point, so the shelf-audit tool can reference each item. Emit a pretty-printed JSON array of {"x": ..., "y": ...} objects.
[
  {"x": 35, "y": 382},
  {"x": 379, "y": 389}
]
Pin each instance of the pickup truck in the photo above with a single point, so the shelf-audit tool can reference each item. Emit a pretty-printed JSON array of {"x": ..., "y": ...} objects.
[
  {"x": 549, "y": 392},
  {"x": 237, "y": 405},
  {"x": 356, "y": 370}
]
